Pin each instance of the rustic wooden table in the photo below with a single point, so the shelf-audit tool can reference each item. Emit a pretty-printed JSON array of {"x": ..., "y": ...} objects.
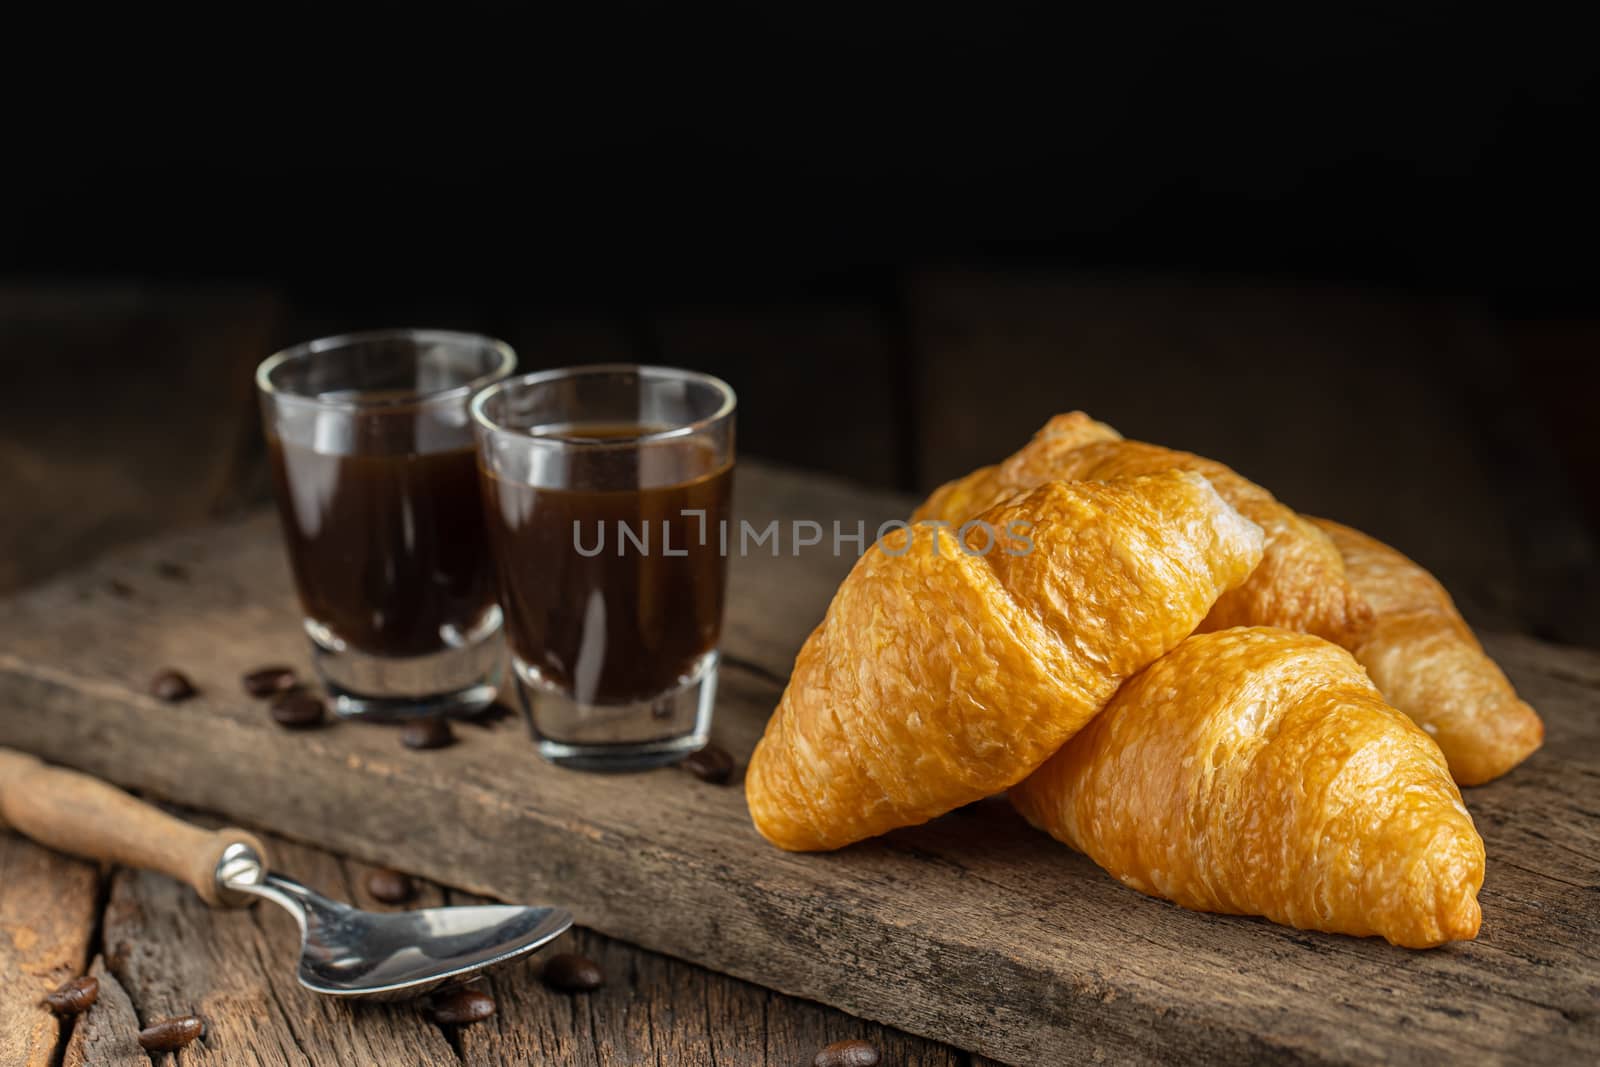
[
  {"x": 973, "y": 929},
  {"x": 157, "y": 950}
]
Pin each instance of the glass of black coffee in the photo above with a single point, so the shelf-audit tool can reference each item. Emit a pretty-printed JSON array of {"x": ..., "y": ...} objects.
[
  {"x": 607, "y": 492},
  {"x": 372, "y": 456}
]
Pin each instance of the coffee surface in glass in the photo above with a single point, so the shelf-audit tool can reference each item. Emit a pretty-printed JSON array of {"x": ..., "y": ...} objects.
[
  {"x": 615, "y": 595},
  {"x": 388, "y": 550}
]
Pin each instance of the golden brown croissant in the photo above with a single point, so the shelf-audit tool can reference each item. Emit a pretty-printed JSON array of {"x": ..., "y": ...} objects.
[
  {"x": 1258, "y": 772},
  {"x": 939, "y": 677},
  {"x": 1426, "y": 661},
  {"x": 1300, "y": 584}
]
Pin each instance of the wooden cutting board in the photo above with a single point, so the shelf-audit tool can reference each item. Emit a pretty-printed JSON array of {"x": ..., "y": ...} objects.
[{"x": 974, "y": 929}]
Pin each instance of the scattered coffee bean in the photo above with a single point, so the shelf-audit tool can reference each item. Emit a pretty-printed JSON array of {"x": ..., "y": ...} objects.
[
  {"x": 572, "y": 973},
  {"x": 710, "y": 764},
  {"x": 171, "y": 686},
  {"x": 176, "y": 572},
  {"x": 391, "y": 887},
  {"x": 854, "y": 1053},
  {"x": 427, "y": 733},
  {"x": 265, "y": 681},
  {"x": 458, "y": 1007},
  {"x": 168, "y": 1035},
  {"x": 297, "y": 709},
  {"x": 75, "y": 996},
  {"x": 119, "y": 588}
]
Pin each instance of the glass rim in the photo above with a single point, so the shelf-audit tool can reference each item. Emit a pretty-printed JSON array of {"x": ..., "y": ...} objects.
[
  {"x": 505, "y": 363},
  {"x": 643, "y": 370}
]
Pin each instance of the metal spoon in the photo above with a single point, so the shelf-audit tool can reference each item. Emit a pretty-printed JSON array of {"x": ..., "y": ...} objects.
[{"x": 344, "y": 952}]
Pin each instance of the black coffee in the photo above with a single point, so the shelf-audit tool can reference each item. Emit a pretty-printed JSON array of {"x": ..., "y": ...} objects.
[
  {"x": 388, "y": 550},
  {"x": 614, "y": 594}
]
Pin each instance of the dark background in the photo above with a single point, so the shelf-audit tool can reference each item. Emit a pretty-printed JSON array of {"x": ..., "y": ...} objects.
[{"x": 1354, "y": 257}]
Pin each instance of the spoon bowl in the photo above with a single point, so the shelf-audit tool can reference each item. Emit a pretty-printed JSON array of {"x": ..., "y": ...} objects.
[{"x": 347, "y": 952}]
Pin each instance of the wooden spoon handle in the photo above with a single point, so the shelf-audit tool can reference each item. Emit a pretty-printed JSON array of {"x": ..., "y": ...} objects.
[{"x": 75, "y": 813}]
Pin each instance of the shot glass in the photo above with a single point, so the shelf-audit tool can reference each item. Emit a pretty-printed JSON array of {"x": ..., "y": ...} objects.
[
  {"x": 607, "y": 494},
  {"x": 372, "y": 456}
]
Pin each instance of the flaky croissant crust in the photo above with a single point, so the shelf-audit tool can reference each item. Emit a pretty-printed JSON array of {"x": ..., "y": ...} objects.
[
  {"x": 1258, "y": 771},
  {"x": 1300, "y": 584},
  {"x": 938, "y": 677},
  {"x": 1428, "y": 663}
]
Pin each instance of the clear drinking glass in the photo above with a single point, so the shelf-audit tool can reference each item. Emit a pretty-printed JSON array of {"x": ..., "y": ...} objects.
[
  {"x": 377, "y": 487},
  {"x": 607, "y": 493}
]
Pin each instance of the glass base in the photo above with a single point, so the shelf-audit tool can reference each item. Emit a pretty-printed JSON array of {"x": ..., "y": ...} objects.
[
  {"x": 460, "y": 680},
  {"x": 634, "y": 736}
]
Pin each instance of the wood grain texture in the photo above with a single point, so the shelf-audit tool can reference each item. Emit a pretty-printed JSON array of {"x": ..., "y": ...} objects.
[
  {"x": 974, "y": 929},
  {"x": 107, "y": 1035},
  {"x": 171, "y": 954},
  {"x": 653, "y": 1009},
  {"x": 235, "y": 968},
  {"x": 47, "y": 908}
]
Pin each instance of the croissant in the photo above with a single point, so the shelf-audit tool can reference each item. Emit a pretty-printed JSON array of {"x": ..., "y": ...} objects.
[
  {"x": 1259, "y": 772},
  {"x": 1426, "y": 661},
  {"x": 940, "y": 676},
  {"x": 1300, "y": 584}
]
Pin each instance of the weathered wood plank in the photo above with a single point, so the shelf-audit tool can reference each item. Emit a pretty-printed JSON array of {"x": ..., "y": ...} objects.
[
  {"x": 332, "y": 1031},
  {"x": 47, "y": 916},
  {"x": 174, "y": 955},
  {"x": 107, "y": 1035},
  {"x": 973, "y": 929},
  {"x": 796, "y": 1030},
  {"x": 653, "y": 1009}
]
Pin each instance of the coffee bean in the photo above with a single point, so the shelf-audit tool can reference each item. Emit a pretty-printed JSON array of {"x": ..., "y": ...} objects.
[
  {"x": 75, "y": 996},
  {"x": 167, "y": 1035},
  {"x": 391, "y": 887},
  {"x": 572, "y": 973},
  {"x": 458, "y": 1007},
  {"x": 176, "y": 572},
  {"x": 171, "y": 686},
  {"x": 265, "y": 681},
  {"x": 427, "y": 733},
  {"x": 297, "y": 709},
  {"x": 854, "y": 1053},
  {"x": 119, "y": 589},
  {"x": 710, "y": 764}
]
